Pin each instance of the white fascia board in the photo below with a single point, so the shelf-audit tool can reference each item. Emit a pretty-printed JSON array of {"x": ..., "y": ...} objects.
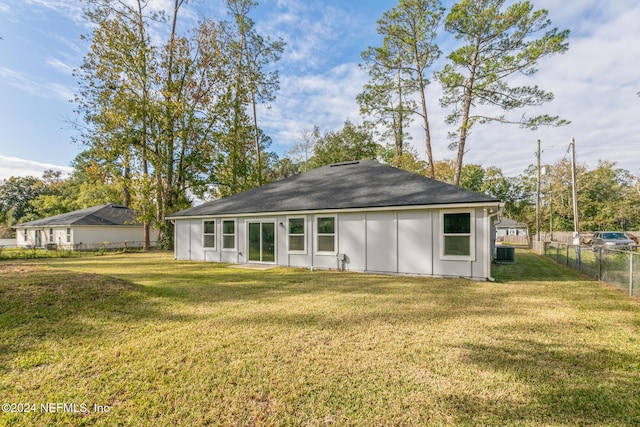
[{"x": 497, "y": 205}]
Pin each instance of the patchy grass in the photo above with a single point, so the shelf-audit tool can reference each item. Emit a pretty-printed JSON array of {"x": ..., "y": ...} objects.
[{"x": 154, "y": 341}]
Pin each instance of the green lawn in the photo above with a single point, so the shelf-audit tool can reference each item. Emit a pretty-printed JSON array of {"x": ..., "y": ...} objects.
[{"x": 158, "y": 342}]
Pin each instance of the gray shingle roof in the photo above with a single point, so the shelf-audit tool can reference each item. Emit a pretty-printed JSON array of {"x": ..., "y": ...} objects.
[
  {"x": 361, "y": 184},
  {"x": 109, "y": 214},
  {"x": 508, "y": 222}
]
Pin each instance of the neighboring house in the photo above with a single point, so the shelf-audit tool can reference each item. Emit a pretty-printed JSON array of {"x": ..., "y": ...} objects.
[
  {"x": 509, "y": 227},
  {"x": 83, "y": 229},
  {"x": 358, "y": 216}
]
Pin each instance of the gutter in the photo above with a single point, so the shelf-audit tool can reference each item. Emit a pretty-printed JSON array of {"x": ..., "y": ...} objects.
[{"x": 489, "y": 215}]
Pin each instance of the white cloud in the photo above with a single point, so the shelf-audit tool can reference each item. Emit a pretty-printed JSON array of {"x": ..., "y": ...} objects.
[
  {"x": 28, "y": 84},
  {"x": 325, "y": 100},
  {"x": 69, "y": 9},
  {"x": 13, "y": 166},
  {"x": 60, "y": 66},
  {"x": 594, "y": 83}
]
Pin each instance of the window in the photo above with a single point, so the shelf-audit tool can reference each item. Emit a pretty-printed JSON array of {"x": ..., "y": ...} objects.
[
  {"x": 26, "y": 235},
  {"x": 457, "y": 236},
  {"x": 68, "y": 235},
  {"x": 326, "y": 234},
  {"x": 51, "y": 235},
  {"x": 228, "y": 234},
  {"x": 209, "y": 234},
  {"x": 297, "y": 235}
]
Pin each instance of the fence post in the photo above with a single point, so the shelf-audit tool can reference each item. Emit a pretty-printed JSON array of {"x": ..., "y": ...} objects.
[{"x": 630, "y": 274}]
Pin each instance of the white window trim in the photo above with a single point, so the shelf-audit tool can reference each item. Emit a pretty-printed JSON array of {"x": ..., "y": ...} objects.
[
  {"x": 209, "y": 248},
  {"x": 235, "y": 235},
  {"x": 68, "y": 234},
  {"x": 317, "y": 235},
  {"x": 304, "y": 235},
  {"x": 472, "y": 236}
]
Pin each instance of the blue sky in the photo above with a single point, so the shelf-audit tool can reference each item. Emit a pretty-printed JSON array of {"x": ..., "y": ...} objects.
[{"x": 595, "y": 82}]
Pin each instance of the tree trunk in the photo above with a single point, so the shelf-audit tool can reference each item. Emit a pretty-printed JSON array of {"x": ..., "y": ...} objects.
[
  {"x": 425, "y": 117},
  {"x": 465, "y": 116}
]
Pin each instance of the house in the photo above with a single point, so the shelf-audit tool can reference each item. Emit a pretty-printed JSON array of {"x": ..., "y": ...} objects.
[
  {"x": 357, "y": 216},
  {"x": 104, "y": 225},
  {"x": 510, "y": 227}
]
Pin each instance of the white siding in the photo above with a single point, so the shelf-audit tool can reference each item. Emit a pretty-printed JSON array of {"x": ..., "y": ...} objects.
[
  {"x": 403, "y": 241},
  {"x": 352, "y": 240},
  {"x": 101, "y": 234},
  {"x": 182, "y": 246},
  {"x": 382, "y": 242},
  {"x": 415, "y": 251},
  {"x": 83, "y": 235}
]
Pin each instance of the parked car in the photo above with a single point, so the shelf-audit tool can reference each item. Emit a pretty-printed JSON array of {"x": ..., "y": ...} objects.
[{"x": 612, "y": 240}]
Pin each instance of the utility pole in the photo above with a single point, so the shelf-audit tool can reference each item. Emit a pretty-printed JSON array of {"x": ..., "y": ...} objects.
[
  {"x": 576, "y": 227},
  {"x": 538, "y": 194}
]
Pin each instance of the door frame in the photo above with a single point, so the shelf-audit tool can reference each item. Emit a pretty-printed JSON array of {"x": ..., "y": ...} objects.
[{"x": 275, "y": 240}]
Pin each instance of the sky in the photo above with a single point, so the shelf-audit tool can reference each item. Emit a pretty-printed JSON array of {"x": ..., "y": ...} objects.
[{"x": 595, "y": 82}]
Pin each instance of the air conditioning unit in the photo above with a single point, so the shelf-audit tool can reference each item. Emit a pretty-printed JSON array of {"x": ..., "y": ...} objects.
[{"x": 505, "y": 255}]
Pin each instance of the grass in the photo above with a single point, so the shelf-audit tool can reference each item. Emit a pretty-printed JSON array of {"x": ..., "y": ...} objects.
[{"x": 161, "y": 342}]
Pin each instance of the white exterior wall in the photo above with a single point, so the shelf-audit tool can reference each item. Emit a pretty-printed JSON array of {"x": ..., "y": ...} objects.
[
  {"x": 86, "y": 235},
  {"x": 384, "y": 241},
  {"x": 95, "y": 234}
]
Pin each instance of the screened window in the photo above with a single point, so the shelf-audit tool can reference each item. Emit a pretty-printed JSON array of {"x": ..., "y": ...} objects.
[
  {"x": 209, "y": 234},
  {"x": 228, "y": 234},
  {"x": 326, "y": 234},
  {"x": 457, "y": 234},
  {"x": 51, "y": 235},
  {"x": 68, "y": 235},
  {"x": 297, "y": 235}
]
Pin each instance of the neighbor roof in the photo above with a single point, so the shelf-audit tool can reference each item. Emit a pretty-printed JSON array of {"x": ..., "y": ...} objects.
[
  {"x": 349, "y": 185},
  {"x": 108, "y": 214},
  {"x": 508, "y": 222}
]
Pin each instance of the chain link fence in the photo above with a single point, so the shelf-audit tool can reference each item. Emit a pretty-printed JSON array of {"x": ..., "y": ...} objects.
[{"x": 618, "y": 268}]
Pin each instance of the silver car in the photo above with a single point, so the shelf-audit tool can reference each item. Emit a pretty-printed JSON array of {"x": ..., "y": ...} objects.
[{"x": 612, "y": 240}]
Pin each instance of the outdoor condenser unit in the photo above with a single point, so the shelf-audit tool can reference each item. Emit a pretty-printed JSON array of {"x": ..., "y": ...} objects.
[{"x": 505, "y": 255}]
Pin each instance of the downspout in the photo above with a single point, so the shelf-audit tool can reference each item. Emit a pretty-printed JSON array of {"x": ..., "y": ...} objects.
[{"x": 488, "y": 215}]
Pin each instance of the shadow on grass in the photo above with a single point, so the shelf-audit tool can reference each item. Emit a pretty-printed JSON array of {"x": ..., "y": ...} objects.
[
  {"x": 568, "y": 385},
  {"x": 38, "y": 304},
  {"x": 58, "y": 304},
  {"x": 565, "y": 385}
]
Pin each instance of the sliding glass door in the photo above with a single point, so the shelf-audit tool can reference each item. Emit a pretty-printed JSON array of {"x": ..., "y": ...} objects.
[{"x": 262, "y": 241}]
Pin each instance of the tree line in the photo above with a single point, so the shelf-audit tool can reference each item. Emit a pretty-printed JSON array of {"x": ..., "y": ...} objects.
[
  {"x": 608, "y": 196},
  {"x": 168, "y": 113}
]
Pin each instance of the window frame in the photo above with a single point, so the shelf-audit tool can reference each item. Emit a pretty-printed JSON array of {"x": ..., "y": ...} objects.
[
  {"x": 234, "y": 234},
  {"x": 50, "y": 235},
  {"x": 318, "y": 234},
  {"x": 302, "y": 251},
  {"x": 204, "y": 234},
  {"x": 68, "y": 234},
  {"x": 471, "y": 235}
]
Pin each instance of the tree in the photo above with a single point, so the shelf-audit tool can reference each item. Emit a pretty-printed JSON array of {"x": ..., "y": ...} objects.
[
  {"x": 254, "y": 54},
  {"x": 302, "y": 150},
  {"x": 172, "y": 115},
  {"x": 408, "y": 160},
  {"x": 499, "y": 44},
  {"x": 350, "y": 143},
  {"x": 609, "y": 200},
  {"x": 16, "y": 194},
  {"x": 400, "y": 66}
]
